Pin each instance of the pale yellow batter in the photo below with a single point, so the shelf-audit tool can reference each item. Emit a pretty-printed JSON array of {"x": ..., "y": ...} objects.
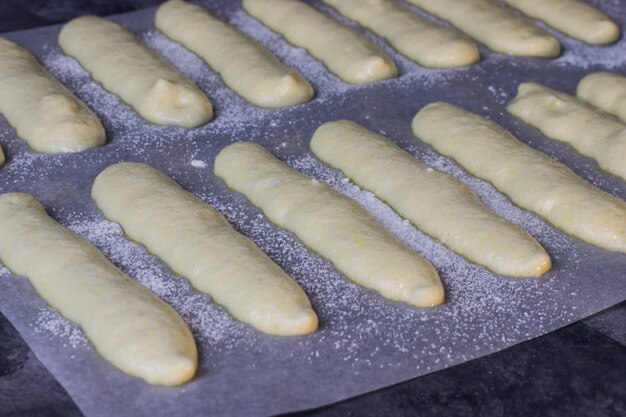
[
  {"x": 244, "y": 65},
  {"x": 605, "y": 90},
  {"x": 494, "y": 25},
  {"x": 331, "y": 224},
  {"x": 435, "y": 202},
  {"x": 43, "y": 111},
  {"x": 530, "y": 178},
  {"x": 137, "y": 74},
  {"x": 414, "y": 36},
  {"x": 129, "y": 326},
  {"x": 198, "y": 243},
  {"x": 575, "y": 18},
  {"x": 345, "y": 52},
  {"x": 563, "y": 117}
]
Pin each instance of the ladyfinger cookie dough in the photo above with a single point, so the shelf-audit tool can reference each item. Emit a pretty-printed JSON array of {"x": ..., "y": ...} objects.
[
  {"x": 128, "y": 325},
  {"x": 244, "y": 65},
  {"x": 436, "y": 202},
  {"x": 198, "y": 243},
  {"x": 2, "y": 159},
  {"x": 345, "y": 52},
  {"x": 575, "y": 18},
  {"x": 414, "y": 36},
  {"x": 530, "y": 178},
  {"x": 494, "y": 25},
  {"x": 42, "y": 110},
  {"x": 605, "y": 90},
  {"x": 563, "y": 117},
  {"x": 331, "y": 224},
  {"x": 137, "y": 74}
]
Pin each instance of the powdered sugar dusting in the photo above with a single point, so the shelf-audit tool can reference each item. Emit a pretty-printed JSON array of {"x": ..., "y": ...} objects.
[
  {"x": 51, "y": 322},
  {"x": 4, "y": 272},
  {"x": 364, "y": 341},
  {"x": 584, "y": 56},
  {"x": 196, "y": 163}
]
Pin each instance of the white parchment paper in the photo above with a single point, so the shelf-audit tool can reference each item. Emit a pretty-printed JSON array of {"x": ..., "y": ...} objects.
[{"x": 364, "y": 342}]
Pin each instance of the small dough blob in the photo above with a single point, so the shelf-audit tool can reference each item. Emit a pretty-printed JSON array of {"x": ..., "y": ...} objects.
[
  {"x": 128, "y": 325},
  {"x": 530, "y": 178},
  {"x": 198, "y": 243},
  {"x": 435, "y": 202},
  {"x": 137, "y": 74},
  {"x": 575, "y": 18},
  {"x": 331, "y": 224},
  {"x": 245, "y": 66},
  {"x": 345, "y": 52},
  {"x": 414, "y": 36},
  {"x": 495, "y": 25},
  {"x": 606, "y": 91},
  {"x": 42, "y": 110},
  {"x": 563, "y": 117}
]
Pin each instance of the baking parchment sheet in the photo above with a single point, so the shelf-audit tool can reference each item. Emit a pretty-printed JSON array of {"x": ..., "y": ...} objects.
[{"x": 364, "y": 342}]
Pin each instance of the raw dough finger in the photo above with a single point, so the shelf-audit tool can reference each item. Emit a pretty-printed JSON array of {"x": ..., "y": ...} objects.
[
  {"x": 137, "y": 74},
  {"x": 530, "y": 178},
  {"x": 127, "y": 324},
  {"x": 435, "y": 202},
  {"x": 42, "y": 110},
  {"x": 345, "y": 52},
  {"x": 575, "y": 18},
  {"x": 1, "y": 156},
  {"x": 606, "y": 91},
  {"x": 331, "y": 224},
  {"x": 412, "y": 35},
  {"x": 245, "y": 66},
  {"x": 198, "y": 243},
  {"x": 563, "y": 117},
  {"x": 495, "y": 25}
]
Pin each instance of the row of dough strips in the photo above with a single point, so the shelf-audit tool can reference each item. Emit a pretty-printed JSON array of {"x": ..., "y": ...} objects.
[
  {"x": 59, "y": 122},
  {"x": 143, "y": 336}
]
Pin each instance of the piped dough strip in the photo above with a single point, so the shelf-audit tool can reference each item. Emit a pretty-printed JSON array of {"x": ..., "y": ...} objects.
[
  {"x": 244, "y": 65},
  {"x": 530, "y": 178},
  {"x": 2, "y": 158},
  {"x": 43, "y": 111},
  {"x": 198, "y": 243},
  {"x": 495, "y": 25},
  {"x": 138, "y": 75},
  {"x": 127, "y": 324},
  {"x": 331, "y": 224},
  {"x": 575, "y": 18},
  {"x": 436, "y": 202},
  {"x": 345, "y": 52},
  {"x": 563, "y": 117},
  {"x": 414, "y": 36},
  {"x": 605, "y": 90}
]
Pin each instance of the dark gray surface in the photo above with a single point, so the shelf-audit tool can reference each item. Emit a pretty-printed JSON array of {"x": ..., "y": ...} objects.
[
  {"x": 26, "y": 386},
  {"x": 447, "y": 402},
  {"x": 26, "y": 14},
  {"x": 611, "y": 322}
]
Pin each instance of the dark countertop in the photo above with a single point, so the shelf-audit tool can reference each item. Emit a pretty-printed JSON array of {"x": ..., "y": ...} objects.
[{"x": 579, "y": 370}]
